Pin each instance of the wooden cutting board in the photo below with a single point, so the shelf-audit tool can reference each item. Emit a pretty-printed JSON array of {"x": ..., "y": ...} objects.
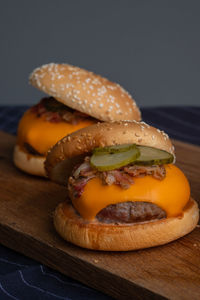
[{"x": 26, "y": 206}]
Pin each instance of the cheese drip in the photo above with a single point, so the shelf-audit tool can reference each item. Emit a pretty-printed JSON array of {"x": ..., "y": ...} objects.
[
  {"x": 42, "y": 134},
  {"x": 171, "y": 194}
]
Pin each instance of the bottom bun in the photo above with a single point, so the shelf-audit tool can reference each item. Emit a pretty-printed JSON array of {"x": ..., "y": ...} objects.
[
  {"x": 112, "y": 237},
  {"x": 29, "y": 163}
]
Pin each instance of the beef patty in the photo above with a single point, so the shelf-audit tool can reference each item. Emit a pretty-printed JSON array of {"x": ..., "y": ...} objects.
[{"x": 130, "y": 212}]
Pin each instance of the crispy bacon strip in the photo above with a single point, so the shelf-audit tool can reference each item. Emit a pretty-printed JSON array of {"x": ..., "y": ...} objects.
[
  {"x": 55, "y": 112},
  {"x": 123, "y": 177}
]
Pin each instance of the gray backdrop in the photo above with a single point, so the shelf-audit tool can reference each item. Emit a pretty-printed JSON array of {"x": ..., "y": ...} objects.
[{"x": 152, "y": 48}]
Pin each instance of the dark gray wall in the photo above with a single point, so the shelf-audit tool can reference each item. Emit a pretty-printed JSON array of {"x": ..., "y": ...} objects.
[{"x": 150, "y": 47}]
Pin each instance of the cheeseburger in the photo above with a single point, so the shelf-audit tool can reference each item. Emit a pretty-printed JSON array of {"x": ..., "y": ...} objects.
[
  {"x": 124, "y": 190},
  {"x": 77, "y": 99}
]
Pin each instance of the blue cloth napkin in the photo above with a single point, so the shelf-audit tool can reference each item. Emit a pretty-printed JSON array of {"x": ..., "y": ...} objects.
[{"x": 22, "y": 278}]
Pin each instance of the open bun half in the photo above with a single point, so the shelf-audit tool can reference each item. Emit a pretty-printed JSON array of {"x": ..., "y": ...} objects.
[
  {"x": 76, "y": 145},
  {"x": 112, "y": 237},
  {"x": 86, "y": 92}
]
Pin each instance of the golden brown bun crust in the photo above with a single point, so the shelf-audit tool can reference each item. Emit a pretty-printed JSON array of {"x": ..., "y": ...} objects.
[
  {"x": 28, "y": 163},
  {"x": 111, "y": 237},
  {"x": 85, "y": 140},
  {"x": 86, "y": 92}
]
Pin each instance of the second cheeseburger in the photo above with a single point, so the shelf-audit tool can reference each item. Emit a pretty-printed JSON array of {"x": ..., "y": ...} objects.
[
  {"x": 125, "y": 192},
  {"x": 78, "y": 98}
]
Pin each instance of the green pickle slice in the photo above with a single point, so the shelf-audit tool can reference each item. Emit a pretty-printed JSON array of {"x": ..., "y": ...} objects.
[
  {"x": 114, "y": 148},
  {"x": 114, "y": 157},
  {"x": 153, "y": 156},
  {"x": 103, "y": 161}
]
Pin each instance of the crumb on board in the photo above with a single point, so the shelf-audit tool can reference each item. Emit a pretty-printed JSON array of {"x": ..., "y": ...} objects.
[{"x": 96, "y": 261}]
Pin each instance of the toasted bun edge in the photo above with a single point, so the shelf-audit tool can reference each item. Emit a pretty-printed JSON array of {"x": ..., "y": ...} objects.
[
  {"x": 111, "y": 237},
  {"x": 28, "y": 163}
]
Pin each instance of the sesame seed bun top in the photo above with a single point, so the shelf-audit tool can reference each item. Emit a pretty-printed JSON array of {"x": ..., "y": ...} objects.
[
  {"x": 78, "y": 144},
  {"x": 86, "y": 92}
]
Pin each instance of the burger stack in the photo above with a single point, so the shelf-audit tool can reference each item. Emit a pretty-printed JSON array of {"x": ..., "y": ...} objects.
[{"x": 124, "y": 190}]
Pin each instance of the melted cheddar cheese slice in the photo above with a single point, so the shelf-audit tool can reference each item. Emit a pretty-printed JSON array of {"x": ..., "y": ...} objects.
[
  {"x": 171, "y": 193},
  {"x": 41, "y": 134}
]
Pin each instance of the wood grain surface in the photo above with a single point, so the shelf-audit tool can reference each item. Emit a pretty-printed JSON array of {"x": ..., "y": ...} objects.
[{"x": 26, "y": 205}]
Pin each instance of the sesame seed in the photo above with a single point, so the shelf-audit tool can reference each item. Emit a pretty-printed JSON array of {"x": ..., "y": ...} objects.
[
  {"x": 96, "y": 81},
  {"x": 76, "y": 97},
  {"x": 68, "y": 94},
  {"x": 39, "y": 83},
  {"x": 52, "y": 90},
  {"x": 145, "y": 124},
  {"x": 119, "y": 112}
]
